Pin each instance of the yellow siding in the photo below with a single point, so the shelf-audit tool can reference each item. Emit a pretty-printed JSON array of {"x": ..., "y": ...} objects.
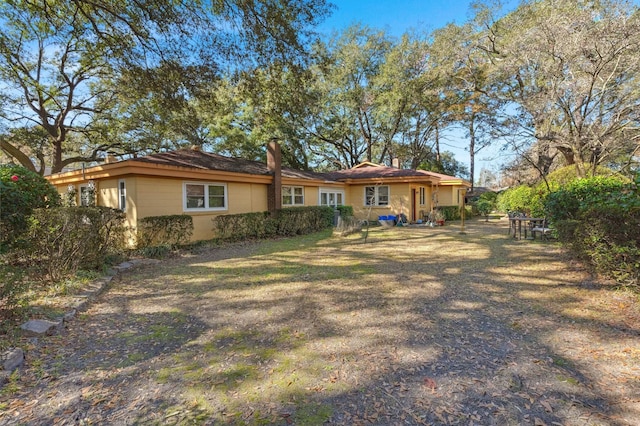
[
  {"x": 107, "y": 194},
  {"x": 399, "y": 201},
  {"x": 246, "y": 197},
  {"x": 311, "y": 196},
  {"x": 450, "y": 195},
  {"x": 158, "y": 197}
]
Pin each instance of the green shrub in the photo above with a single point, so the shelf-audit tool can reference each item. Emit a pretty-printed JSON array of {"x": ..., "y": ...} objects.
[
  {"x": 284, "y": 222},
  {"x": 21, "y": 191},
  {"x": 567, "y": 174},
  {"x": 170, "y": 230},
  {"x": 13, "y": 286},
  {"x": 60, "y": 241},
  {"x": 532, "y": 200},
  {"x": 580, "y": 195},
  {"x": 518, "y": 199},
  {"x": 345, "y": 211},
  {"x": 610, "y": 239},
  {"x": 449, "y": 212},
  {"x": 566, "y": 230},
  {"x": 484, "y": 207},
  {"x": 598, "y": 218},
  {"x": 156, "y": 252}
]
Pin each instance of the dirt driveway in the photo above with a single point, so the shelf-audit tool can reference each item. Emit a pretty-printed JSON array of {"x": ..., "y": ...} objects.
[{"x": 417, "y": 326}]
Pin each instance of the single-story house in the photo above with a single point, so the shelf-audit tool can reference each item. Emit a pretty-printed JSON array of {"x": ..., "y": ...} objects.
[{"x": 204, "y": 185}]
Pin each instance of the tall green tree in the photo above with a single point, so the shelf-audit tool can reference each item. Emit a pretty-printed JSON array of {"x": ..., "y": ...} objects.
[
  {"x": 59, "y": 59},
  {"x": 468, "y": 102},
  {"x": 567, "y": 72}
]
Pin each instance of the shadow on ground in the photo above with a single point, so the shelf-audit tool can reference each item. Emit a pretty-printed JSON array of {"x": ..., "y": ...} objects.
[{"x": 417, "y": 326}]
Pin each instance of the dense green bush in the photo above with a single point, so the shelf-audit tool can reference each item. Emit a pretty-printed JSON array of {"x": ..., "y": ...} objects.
[
  {"x": 345, "y": 211},
  {"x": 609, "y": 238},
  {"x": 284, "y": 222},
  {"x": 578, "y": 196},
  {"x": 484, "y": 207},
  {"x": 518, "y": 199},
  {"x": 60, "y": 241},
  {"x": 13, "y": 287},
  {"x": 21, "y": 191},
  {"x": 450, "y": 212},
  {"x": 486, "y": 203},
  {"x": 599, "y": 220},
  {"x": 169, "y": 231},
  {"x": 567, "y": 174},
  {"x": 532, "y": 200}
]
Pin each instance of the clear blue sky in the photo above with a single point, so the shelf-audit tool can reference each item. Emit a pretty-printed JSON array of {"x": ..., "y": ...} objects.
[{"x": 399, "y": 16}]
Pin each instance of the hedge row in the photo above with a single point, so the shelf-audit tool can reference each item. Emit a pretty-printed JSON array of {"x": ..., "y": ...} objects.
[
  {"x": 599, "y": 220},
  {"x": 60, "y": 241},
  {"x": 453, "y": 212},
  {"x": 284, "y": 222},
  {"x": 169, "y": 230}
]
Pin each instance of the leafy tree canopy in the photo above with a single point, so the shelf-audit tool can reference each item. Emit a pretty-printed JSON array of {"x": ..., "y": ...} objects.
[{"x": 59, "y": 60}]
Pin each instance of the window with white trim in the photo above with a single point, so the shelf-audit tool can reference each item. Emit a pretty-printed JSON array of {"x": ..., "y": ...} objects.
[
  {"x": 331, "y": 198},
  {"x": 376, "y": 195},
  {"x": 204, "y": 196},
  {"x": 88, "y": 194},
  {"x": 423, "y": 196},
  {"x": 293, "y": 196},
  {"x": 122, "y": 195}
]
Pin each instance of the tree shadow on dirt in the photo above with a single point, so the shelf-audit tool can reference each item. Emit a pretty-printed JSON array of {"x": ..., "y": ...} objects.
[{"x": 418, "y": 326}]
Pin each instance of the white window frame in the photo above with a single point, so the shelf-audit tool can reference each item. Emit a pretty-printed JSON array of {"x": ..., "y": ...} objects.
[
  {"x": 81, "y": 198},
  {"x": 327, "y": 193},
  {"x": 423, "y": 196},
  {"x": 294, "y": 197},
  {"x": 378, "y": 198},
  {"x": 122, "y": 195},
  {"x": 205, "y": 207}
]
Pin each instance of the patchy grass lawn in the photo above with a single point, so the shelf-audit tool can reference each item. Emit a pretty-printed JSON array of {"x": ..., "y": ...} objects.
[{"x": 417, "y": 326}]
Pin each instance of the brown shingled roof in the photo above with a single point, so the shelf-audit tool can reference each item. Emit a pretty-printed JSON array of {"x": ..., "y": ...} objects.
[
  {"x": 196, "y": 159},
  {"x": 379, "y": 172}
]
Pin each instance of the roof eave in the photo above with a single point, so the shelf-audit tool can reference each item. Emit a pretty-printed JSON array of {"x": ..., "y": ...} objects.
[{"x": 133, "y": 167}]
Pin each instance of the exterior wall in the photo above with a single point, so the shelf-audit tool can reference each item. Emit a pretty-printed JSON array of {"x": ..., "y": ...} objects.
[
  {"x": 158, "y": 197},
  {"x": 450, "y": 195},
  {"x": 107, "y": 193},
  {"x": 311, "y": 196},
  {"x": 399, "y": 201}
]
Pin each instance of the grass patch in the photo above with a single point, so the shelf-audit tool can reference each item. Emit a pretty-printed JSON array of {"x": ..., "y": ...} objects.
[
  {"x": 570, "y": 380},
  {"x": 312, "y": 414}
]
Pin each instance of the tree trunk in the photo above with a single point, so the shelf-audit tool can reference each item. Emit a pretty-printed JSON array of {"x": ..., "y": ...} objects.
[
  {"x": 14, "y": 152},
  {"x": 472, "y": 150},
  {"x": 56, "y": 167},
  {"x": 437, "y": 144}
]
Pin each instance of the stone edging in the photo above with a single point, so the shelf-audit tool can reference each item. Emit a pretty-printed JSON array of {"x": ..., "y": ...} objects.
[{"x": 13, "y": 358}]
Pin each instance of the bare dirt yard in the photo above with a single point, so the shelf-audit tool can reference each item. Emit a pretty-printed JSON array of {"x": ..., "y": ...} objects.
[{"x": 417, "y": 326}]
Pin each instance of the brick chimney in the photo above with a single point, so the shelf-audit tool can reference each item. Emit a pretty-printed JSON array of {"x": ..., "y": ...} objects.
[{"x": 274, "y": 165}]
